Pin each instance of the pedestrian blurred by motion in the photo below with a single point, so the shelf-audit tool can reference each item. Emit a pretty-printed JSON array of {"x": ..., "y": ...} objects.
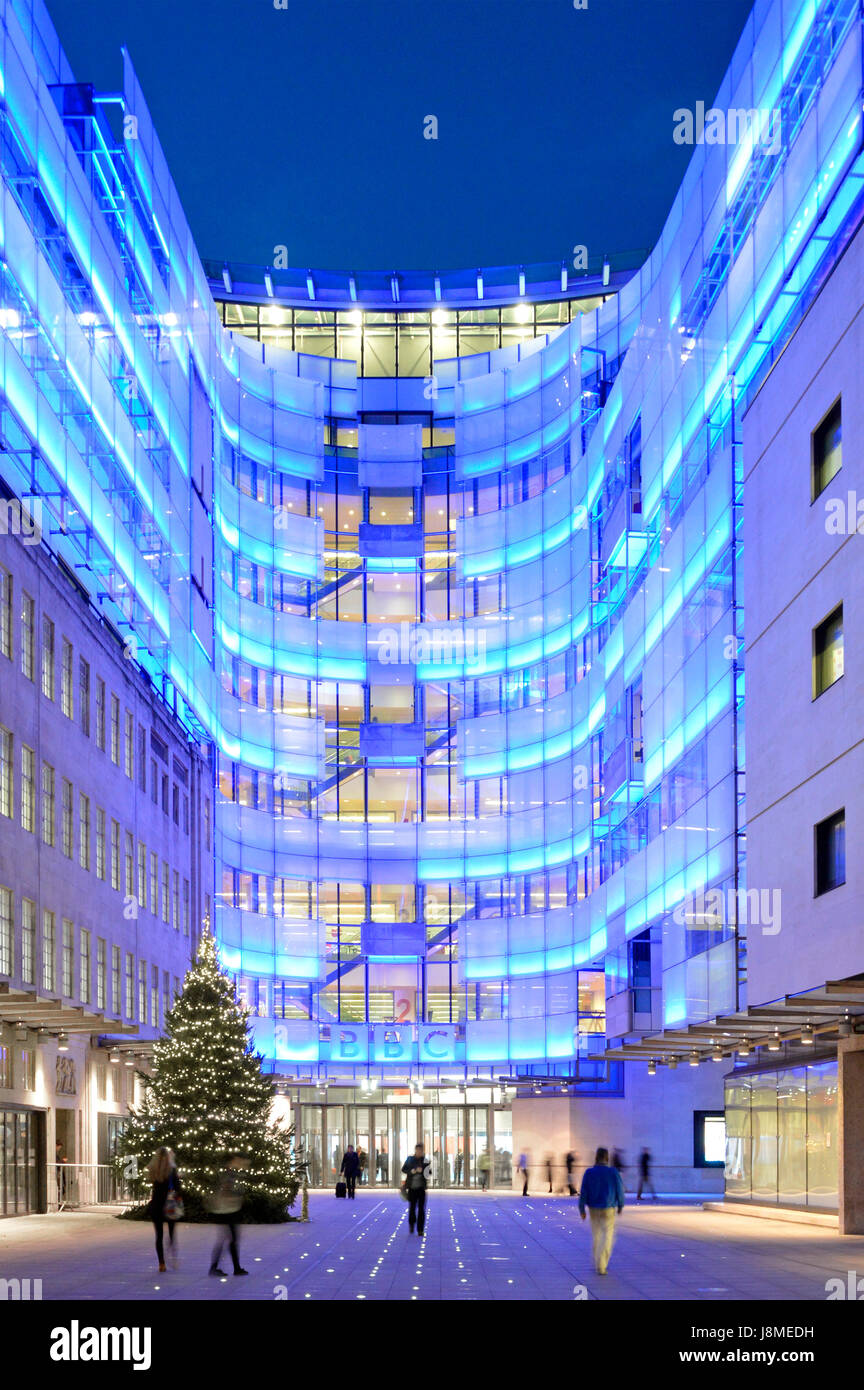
[
  {"x": 645, "y": 1179},
  {"x": 548, "y": 1165},
  {"x": 166, "y": 1202},
  {"x": 523, "y": 1169},
  {"x": 618, "y": 1162},
  {"x": 484, "y": 1164},
  {"x": 363, "y": 1164},
  {"x": 570, "y": 1162},
  {"x": 602, "y": 1192},
  {"x": 226, "y": 1205}
]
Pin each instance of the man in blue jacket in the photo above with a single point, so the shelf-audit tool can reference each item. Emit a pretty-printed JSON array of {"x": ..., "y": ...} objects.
[{"x": 602, "y": 1192}]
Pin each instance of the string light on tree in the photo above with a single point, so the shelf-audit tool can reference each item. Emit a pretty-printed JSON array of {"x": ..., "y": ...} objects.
[{"x": 208, "y": 1097}]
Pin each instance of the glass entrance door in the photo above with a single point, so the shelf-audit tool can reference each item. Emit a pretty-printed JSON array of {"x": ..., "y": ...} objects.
[{"x": 454, "y": 1137}]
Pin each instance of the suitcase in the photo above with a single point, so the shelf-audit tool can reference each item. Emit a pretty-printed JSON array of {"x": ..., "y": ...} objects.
[{"x": 341, "y": 1189}]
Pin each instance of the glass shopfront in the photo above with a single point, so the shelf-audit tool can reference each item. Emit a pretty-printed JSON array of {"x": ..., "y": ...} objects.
[
  {"x": 781, "y": 1137},
  {"x": 455, "y": 1136}
]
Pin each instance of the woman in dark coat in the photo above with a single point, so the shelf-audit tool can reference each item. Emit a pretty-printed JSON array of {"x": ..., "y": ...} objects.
[{"x": 163, "y": 1174}]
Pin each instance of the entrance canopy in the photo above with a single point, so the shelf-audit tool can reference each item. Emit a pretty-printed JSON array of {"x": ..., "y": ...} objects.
[{"x": 826, "y": 1012}]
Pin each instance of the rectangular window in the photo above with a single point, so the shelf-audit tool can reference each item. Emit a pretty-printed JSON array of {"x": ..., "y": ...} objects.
[
  {"x": 28, "y": 941},
  {"x": 68, "y": 970},
  {"x": 166, "y": 902},
  {"x": 28, "y": 789},
  {"x": 828, "y": 651},
  {"x": 175, "y": 912},
  {"x": 5, "y": 613},
  {"x": 142, "y": 991},
  {"x": 115, "y": 980},
  {"x": 830, "y": 853},
  {"x": 7, "y": 928},
  {"x": 28, "y": 1069},
  {"x": 100, "y": 713},
  {"x": 47, "y": 804},
  {"x": 49, "y": 951},
  {"x": 84, "y": 966},
  {"x": 5, "y": 1069},
  {"x": 709, "y": 1138},
  {"x": 130, "y": 865},
  {"x": 84, "y": 696},
  {"x": 154, "y": 782},
  {"x": 154, "y": 884},
  {"x": 115, "y": 855},
  {"x": 67, "y": 696},
  {"x": 7, "y": 798},
  {"x": 28, "y": 637},
  {"x": 84, "y": 831},
  {"x": 142, "y": 875},
  {"x": 100, "y": 843},
  {"x": 129, "y": 745},
  {"x": 129, "y": 1002},
  {"x": 67, "y": 819},
  {"x": 115, "y": 730},
  {"x": 142, "y": 758},
  {"x": 185, "y": 907},
  {"x": 154, "y": 996},
  {"x": 826, "y": 450},
  {"x": 101, "y": 971},
  {"x": 47, "y": 658}
]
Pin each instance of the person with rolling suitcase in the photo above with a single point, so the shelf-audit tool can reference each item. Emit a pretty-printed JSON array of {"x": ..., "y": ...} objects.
[{"x": 350, "y": 1171}]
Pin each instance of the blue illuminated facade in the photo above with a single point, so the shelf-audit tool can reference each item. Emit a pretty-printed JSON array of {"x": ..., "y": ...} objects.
[{"x": 465, "y": 640}]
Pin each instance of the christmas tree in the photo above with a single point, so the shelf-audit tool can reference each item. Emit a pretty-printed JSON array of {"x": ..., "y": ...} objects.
[{"x": 208, "y": 1098}]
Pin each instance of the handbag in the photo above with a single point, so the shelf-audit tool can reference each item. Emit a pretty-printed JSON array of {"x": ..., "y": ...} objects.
[{"x": 173, "y": 1208}]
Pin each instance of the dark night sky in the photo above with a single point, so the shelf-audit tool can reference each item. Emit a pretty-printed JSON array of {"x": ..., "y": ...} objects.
[{"x": 304, "y": 126}]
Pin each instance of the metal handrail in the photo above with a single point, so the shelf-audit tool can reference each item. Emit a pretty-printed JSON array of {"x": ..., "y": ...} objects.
[{"x": 72, "y": 1185}]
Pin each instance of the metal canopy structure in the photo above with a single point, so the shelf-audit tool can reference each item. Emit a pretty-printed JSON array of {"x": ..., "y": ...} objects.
[
  {"x": 29, "y": 1009},
  {"x": 826, "y": 1012}
]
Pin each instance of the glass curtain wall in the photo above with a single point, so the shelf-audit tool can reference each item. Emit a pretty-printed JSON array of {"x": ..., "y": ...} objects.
[{"x": 781, "y": 1137}]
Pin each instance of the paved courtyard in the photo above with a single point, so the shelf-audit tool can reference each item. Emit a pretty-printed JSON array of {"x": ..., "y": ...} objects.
[{"x": 476, "y": 1247}]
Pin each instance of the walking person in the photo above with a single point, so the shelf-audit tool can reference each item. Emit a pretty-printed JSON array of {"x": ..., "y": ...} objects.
[
  {"x": 618, "y": 1163},
  {"x": 570, "y": 1161},
  {"x": 548, "y": 1165},
  {"x": 484, "y": 1164},
  {"x": 645, "y": 1179},
  {"x": 350, "y": 1169},
  {"x": 363, "y": 1164},
  {"x": 61, "y": 1160},
  {"x": 166, "y": 1202},
  {"x": 226, "y": 1205},
  {"x": 523, "y": 1169},
  {"x": 602, "y": 1192},
  {"x": 414, "y": 1184}
]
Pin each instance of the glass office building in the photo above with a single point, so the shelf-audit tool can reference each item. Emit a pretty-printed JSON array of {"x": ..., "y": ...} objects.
[{"x": 444, "y": 568}]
